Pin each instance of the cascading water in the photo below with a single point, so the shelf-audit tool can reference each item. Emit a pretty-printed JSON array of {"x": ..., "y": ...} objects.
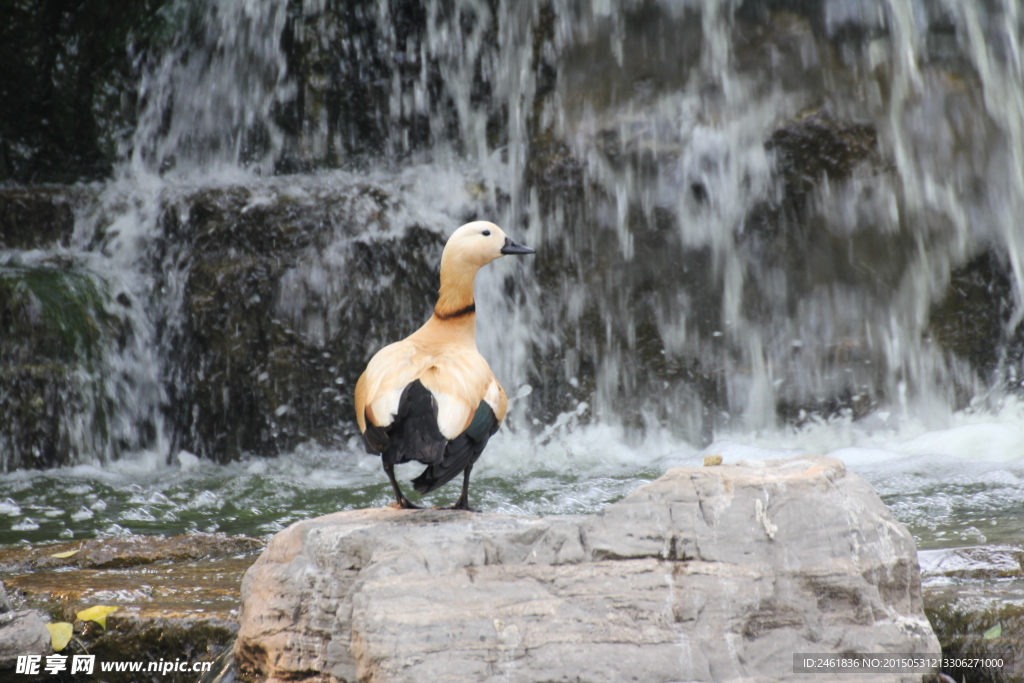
[
  {"x": 770, "y": 223},
  {"x": 206, "y": 102}
]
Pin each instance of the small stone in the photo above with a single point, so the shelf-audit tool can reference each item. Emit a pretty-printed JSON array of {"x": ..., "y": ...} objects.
[{"x": 22, "y": 632}]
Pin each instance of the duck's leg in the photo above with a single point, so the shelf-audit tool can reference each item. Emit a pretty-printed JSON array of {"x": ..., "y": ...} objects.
[
  {"x": 403, "y": 502},
  {"x": 463, "y": 502}
]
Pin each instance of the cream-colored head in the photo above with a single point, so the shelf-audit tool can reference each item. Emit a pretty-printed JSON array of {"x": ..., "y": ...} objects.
[
  {"x": 476, "y": 244},
  {"x": 469, "y": 249}
]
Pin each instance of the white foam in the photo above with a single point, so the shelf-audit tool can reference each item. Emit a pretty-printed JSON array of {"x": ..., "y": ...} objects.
[
  {"x": 988, "y": 441},
  {"x": 187, "y": 461},
  {"x": 732, "y": 452},
  {"x": 83, "y": 514}
]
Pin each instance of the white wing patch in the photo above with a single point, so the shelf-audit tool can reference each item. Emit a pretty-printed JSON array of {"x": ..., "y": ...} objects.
[
  {"x": 452, "y": 414},
  {"x": 385, "y": 407}
]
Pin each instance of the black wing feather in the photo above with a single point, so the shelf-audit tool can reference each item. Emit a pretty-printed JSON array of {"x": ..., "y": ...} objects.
[
  {"x": 462, "y": 451},
  {"x": 414, "y": 435}
]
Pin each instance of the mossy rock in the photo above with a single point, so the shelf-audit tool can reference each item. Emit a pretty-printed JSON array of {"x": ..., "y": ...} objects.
[
  {"x": 987, "y": 626},
  {"x": 54, "y": 312},
  {"x": 34, "y": 400},
  {"x": 166, "y": 643},
  {"x": 974, "y": 599},
  {"x": 53, "y": 326}
]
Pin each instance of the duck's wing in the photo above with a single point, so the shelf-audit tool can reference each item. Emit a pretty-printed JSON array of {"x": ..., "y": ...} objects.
[{"x": 380, "y": 387}]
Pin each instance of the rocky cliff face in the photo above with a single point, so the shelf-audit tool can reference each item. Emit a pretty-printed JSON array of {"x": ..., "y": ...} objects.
[
  {"x": 744, "y": 213},
  {"x": 709, "y": 574},
  {"x": 249, "y": 336}
]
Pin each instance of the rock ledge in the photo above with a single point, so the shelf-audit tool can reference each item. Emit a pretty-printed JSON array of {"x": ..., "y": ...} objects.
[{"x": 707, "y": 574}]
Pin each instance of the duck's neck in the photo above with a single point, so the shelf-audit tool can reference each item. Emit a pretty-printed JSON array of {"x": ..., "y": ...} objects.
[
  {"x": 456, "y": 308},
  {"x": 456, "y": 295}
]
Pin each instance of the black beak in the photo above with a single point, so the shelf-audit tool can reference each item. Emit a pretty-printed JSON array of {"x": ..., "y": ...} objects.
[{"x": 511, "y": 248}]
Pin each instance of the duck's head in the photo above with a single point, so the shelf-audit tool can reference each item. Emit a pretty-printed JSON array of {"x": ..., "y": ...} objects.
[{"x": 476, "y": 244}]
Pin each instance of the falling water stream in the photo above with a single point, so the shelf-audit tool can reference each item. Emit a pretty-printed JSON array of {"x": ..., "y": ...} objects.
[{"x": 704, "y": 284}]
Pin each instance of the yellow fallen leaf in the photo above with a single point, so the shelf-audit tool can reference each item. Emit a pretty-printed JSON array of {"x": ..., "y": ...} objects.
[
  {"x": 60, "y": 635},
  {"x": 61, "y": 556},
  {"x": 98, "y": 614}
]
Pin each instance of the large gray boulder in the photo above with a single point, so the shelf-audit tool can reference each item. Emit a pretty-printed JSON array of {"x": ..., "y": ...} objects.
[{"x": 707, "y": 574}]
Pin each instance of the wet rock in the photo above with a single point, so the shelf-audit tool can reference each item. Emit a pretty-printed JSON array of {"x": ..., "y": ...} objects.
[
  {"x": 251, "y": 373},
  {"x": 35, "y": 400},
  {"x": 986, "y": 563},
  {"x": 66, "y": 352},
  {"x": 595, "y": 76},
  {"x": 177, "y": 597},
  {"x": 5, "y": 602},
  {"x": 187, "y": 577},
  {"x": 971, "y": 318},
  {"x": 817, "y": 155},
  {"x": 52, "y": 311},
  {"x": 804, "y": 252},
  {"x": 817, "y": 146},
  {"x": 974, "y": 599},
  {"x": 706, "y": 574},
  {"x": 192, "y": 645},
  {"x": 980, "y": 622},
  {"x": 791, "y": 247},
  {"x": 70, "y": 83},
  {"x": 266, "y": 302},
  {"x": 22, "y": 632},
  {"x": 40, "y": 216},
  {"x": 120, "y": 552}
]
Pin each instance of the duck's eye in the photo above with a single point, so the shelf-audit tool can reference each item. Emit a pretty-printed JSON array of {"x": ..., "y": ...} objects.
[{"x": 487, "y": 233}]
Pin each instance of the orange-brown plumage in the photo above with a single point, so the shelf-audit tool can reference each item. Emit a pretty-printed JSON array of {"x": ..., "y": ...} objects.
[{"x": 432, "y": 397}]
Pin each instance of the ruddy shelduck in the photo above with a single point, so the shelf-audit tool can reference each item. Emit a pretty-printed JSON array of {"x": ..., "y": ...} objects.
[{"x": 432, "y": 397}]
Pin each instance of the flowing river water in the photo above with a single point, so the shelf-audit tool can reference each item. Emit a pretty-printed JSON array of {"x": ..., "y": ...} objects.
[{"x": 753, "y": 223}]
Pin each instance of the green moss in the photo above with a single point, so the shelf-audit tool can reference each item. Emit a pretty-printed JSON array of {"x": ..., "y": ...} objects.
[
  {"x": 968, "y": 630},
  {"x": 51, "y": 313},
  {"x": 53, "y": 327}
]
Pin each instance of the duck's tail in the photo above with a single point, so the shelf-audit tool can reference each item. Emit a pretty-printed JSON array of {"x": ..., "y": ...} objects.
[{"x": 460, "y": 454}]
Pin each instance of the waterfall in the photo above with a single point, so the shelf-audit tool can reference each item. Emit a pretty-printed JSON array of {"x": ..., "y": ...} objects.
[
  {"x": 207, "y": 100},
  {"x": 747, "y": 214}
]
